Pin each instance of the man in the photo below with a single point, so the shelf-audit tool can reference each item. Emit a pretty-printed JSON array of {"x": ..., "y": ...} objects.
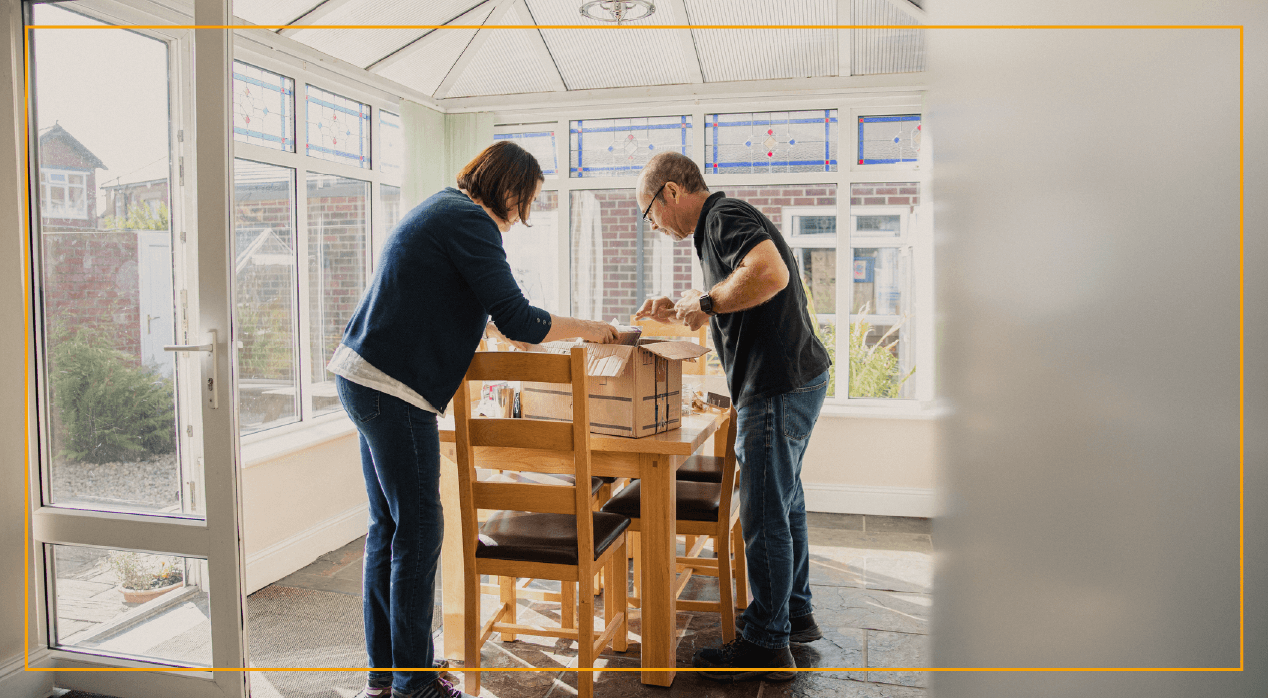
[{"x": 778, "y": 374}]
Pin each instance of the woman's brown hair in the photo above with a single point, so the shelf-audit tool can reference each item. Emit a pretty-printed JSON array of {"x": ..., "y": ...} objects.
[{"x": 502, "y": 169}]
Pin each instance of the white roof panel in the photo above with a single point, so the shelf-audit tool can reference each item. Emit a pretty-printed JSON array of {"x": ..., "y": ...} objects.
[
  {"x": 764, "y": 54},
  {"x": 509, "y": 62},
  {"x": 269, "y": 12},
  {"x": 362, "y": 47},
  {"x": 613, "y": 57},
  {"x": 885, "y": 50},
  {"x": 424, "y": 64}
]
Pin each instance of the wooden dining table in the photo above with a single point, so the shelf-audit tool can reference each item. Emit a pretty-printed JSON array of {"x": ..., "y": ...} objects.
[{"x": 652, "y": 459}]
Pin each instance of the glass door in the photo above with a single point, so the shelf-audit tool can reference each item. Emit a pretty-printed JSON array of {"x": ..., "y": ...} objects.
[{"x": 137, "y": 529}]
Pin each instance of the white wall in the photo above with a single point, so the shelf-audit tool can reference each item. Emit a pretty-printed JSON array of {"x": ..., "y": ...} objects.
[{"x": 865, "y": 465}]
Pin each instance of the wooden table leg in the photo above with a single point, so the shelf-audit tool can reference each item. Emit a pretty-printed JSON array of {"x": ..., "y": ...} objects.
[
  {"x": 451, "y": 574},
  {"x": 659, "y": 619}
]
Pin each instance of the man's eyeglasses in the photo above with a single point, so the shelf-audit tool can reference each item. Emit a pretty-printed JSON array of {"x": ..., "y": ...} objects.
[{"x": 649, "y": 204}]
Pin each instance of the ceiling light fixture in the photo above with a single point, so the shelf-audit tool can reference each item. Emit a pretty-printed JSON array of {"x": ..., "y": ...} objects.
[{"x": 618, "y": 11}]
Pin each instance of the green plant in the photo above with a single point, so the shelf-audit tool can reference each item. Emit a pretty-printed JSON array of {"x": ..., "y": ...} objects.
[
  {"x": 874, "y": 369},
  {"x": 141, "y": 217},
  {"x": 826, "y": 334},
  {"x": 142, "y": 572},
  {"x": 109, "y": 407}
]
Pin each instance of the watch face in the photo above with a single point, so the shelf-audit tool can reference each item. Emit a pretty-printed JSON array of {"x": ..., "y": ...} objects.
[{"x": 706, "y": 304}]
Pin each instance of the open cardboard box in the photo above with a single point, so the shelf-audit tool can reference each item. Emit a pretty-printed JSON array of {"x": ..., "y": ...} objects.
[{"x": 634, "y": 390}]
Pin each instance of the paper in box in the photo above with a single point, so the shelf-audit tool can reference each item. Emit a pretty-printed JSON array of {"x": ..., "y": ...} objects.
[{"x": 634, "y": 390}]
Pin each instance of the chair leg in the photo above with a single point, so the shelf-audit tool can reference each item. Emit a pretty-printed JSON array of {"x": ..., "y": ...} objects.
[
  {"x": 614, "y": 600},
  {"x": 636, "y": 548},
  {"x": 508, "y": 598},
  {"x": 741, "y": 567},
  {"x": 585, "y": 642},
  {"x": 722, "y": 543},
  {"x": 471, "y": 628},
  {"x": 568, "y": 604}
]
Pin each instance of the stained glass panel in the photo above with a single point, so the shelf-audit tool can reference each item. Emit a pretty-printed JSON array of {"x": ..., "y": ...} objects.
[
  {"x": 614, "y": 147},
  {"x": 263, "y": 108},
  {"x": 338, "y": 128},
  {"x": 392, "y": 150},
  {"x": 889, "y": 139},
  {"x": 541, "y": 144},
  {"x": 771, "y": 142}
]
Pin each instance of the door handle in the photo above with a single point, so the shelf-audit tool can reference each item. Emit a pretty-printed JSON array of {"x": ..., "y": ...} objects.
[{"x": 213, "y": 347}]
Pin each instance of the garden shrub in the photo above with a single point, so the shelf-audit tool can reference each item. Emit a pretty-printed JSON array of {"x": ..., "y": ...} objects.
[{"x": 109, "y": 407}]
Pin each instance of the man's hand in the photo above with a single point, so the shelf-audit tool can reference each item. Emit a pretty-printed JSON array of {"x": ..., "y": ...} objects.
[
  {"x": 660, "y": 309},
  {"x": 688, "y": 312}
]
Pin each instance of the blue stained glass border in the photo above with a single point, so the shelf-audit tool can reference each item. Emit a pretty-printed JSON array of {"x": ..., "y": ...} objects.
[
  {"x": 287, "y": 116},
  {"x": 535, "y": 134},
  {"x": 578, "y": 127},
  {"x": 363, "y": 122},
  {"x": 880, "y": 120},
  {"x": 716, "y": 121}
]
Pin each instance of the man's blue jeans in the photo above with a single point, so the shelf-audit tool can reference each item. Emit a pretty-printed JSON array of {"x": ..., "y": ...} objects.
[
  {"x": 771, "y": 439},
  {"x": 400, "y": 459}
]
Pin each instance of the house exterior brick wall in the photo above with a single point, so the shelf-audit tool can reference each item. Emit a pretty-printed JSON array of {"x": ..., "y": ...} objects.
[{"x": 91, "y": 281}]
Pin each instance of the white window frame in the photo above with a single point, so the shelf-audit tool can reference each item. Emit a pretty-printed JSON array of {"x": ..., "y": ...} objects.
[
  {"x": 309, "y": 427},
  {"x": 849, "y": 105},
  {"x": 46, "y": 185}
]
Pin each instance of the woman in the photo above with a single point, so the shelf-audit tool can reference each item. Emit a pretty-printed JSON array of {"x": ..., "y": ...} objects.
[{"x": 442, "y": 274}]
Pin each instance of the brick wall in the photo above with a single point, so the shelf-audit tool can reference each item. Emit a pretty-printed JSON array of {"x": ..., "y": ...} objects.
[
  {"x": 338, "y": 238},
  {"x": 885, "y": 194},
  {"x": 90, "y": 280}
]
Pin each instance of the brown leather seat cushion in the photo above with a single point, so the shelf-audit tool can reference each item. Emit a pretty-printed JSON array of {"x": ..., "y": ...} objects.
[
  {"x": 552, "y": 538},
  {"x": 697, "y": 501},
  {"x": 702, "y": 469}
]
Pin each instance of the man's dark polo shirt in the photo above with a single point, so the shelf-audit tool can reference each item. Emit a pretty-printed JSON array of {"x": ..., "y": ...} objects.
[{"x": 769, "y": 349}]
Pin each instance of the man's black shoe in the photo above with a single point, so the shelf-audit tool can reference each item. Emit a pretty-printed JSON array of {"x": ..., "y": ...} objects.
[
  {"x": 742, "y": 660},
  {"x": 804, "y": 629}
]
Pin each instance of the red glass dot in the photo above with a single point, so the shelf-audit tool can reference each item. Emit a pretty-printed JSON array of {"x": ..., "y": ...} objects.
[
  {"x": 860, "y": 162},
  {"x": 769, "y": 132},
  {"x": 770, "y": 155},
  {"x": 334, "y": 141}
]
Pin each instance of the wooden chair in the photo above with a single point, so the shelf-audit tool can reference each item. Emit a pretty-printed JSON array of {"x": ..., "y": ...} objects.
[
  {"x": 705, "y": 510},
  {"x": 540, "y": 531}
]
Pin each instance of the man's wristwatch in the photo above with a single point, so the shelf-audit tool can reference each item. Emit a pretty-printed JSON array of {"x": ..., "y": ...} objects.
[{"x": 706, "y": 304}]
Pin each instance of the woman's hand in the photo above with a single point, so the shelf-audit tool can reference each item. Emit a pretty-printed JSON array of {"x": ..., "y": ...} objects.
[
  {"x": 602, "y": 332},
  {"x": 492, "y": 330}
]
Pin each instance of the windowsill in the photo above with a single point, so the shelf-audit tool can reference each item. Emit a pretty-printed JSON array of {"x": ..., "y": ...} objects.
[
  {"x": 902, "y": 409},
  {"x": 282, "y": 441}
]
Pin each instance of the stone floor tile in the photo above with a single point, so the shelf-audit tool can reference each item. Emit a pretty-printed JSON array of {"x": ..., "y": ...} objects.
[
  {"x": 899, "y": 571},
  {"x": 832, "y": 566},
  {"x": 839, "y": 648},
  {"x": 628, "y": 684},
  {"x": 515, "y": 684},
  {"x": 861, "y": 540},
  {"x": 897, "y": 524},
  {"x": 846, "y": 522},
  {"x": 816, "y": 685},
  {"x": 872, "y": 610},
  {"x": 885, "y": 649}
]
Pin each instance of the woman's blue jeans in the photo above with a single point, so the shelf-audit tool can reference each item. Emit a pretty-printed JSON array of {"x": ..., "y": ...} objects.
[
  {"x": 771, "y": 439},
  {"x": 400, "y": 459}
]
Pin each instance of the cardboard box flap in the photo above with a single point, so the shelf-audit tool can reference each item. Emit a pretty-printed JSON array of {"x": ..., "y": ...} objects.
[
  {"x": 607, "y": 360},
  {"x": 676, "y": 350}
]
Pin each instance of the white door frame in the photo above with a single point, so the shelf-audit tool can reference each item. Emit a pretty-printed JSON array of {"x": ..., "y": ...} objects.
[{"x": 202, "y": 111}]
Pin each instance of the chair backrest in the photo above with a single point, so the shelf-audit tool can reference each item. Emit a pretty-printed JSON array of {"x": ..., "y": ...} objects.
[
  {"x": 729, "y": 465},
  {"x": 652, "y": 328},
  {"x": 532, "y": 445}
]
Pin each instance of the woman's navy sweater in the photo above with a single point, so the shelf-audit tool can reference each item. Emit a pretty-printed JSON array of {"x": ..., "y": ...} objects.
[{"x": 442, "y": 274}]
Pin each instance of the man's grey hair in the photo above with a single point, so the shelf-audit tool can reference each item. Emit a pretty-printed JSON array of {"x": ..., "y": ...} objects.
[{"x": 673, "y": 167}]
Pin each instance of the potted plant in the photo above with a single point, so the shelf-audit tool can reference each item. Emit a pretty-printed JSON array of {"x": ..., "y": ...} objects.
[{"x": 145, "y": 577}]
